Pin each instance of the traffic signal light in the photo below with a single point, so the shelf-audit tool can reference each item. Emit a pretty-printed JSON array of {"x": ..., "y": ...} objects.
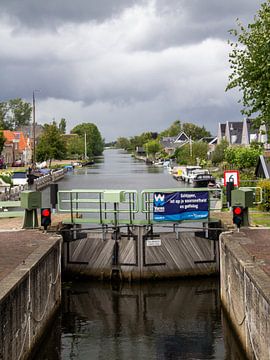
[
  {"x": 46, "y": 217},
  {"x": 238, "y": 215}
]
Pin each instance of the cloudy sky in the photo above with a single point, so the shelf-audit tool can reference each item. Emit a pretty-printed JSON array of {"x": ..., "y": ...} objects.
[{"x": 126, "y": 65}]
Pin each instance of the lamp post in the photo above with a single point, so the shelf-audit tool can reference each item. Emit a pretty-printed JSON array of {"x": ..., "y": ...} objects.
[{"x": 34, "y": 129}]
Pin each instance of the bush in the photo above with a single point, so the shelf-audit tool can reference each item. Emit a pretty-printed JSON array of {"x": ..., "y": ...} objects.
[{"x": 265, "y": 185}]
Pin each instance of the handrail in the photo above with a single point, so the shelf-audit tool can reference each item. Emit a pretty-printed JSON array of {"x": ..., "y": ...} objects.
[
  {"x": 84, "y": 204},
  {"x": 83, "y": 201}
]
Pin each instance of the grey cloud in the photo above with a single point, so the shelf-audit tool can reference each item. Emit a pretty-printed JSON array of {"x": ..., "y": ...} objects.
[
  {"x": 51, "y": 13},
  {"x": 142, "y": 73}
]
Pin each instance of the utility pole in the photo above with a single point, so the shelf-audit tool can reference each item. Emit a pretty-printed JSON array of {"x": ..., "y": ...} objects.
[
  {"x": 85, "y": 147},
  {"x": 34, "y": 131}
]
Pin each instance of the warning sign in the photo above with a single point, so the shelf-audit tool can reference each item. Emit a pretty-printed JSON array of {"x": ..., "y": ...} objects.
[{"x": 232, "y": 176}]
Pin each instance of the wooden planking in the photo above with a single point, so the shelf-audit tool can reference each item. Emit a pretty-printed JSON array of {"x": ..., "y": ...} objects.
[{"x": 179, "y": 254}]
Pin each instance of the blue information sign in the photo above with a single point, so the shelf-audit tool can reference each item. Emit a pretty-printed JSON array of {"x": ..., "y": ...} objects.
[{"x": 178, "y": 206}]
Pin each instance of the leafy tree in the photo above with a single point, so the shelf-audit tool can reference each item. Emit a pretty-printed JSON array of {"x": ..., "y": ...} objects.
[
  {"x": 75, "y": 147},
  {"x": 242, "y": 157},
  {"x": 218, "y": 155},
  {"x": 51, "y": 144},
  {"x": 2, "y": 141},
  {"x": 192, "y": 130},
  {"x": 152, "y": 147},
  {"x": 230, "y": 155},
  {"x": 195, "y": 132},
  {"x": 191, "y": 154},
  {"x": 63, "y": 126},
  {"x": 94, "y": 141},
  {"x": 173, "y": 130},
  {"x": 123, "y": 143},
  {"x": 3, "y": 114},
  {"x": 14, "y": 113},
  {"x": 250, "y": 65}
]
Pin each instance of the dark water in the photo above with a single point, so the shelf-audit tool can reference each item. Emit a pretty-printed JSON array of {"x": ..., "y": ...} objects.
[{"x": 165, "y": 320}]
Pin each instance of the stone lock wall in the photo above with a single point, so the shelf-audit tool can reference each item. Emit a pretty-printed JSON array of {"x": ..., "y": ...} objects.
[
  {"x": 29, "y": 296},
  {"x": 245, "y": 296}
]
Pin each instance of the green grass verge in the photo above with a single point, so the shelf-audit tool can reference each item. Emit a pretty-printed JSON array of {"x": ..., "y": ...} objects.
[{"x": 260, "y": 218}]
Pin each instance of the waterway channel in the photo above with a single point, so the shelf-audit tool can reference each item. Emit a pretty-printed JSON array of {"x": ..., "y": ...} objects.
[{"x": 165, "y": 320}]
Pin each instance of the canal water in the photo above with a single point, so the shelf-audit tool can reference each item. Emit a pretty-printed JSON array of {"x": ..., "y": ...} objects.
[{"x": 162, "y": 320}]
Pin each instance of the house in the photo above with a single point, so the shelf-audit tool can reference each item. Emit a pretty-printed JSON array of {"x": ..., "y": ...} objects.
[
  {"x": 263, "y": 167},
  {"x": 17, "y": 147},
  {"x": 171, "y": 143},
  {"x": 140, "y": 151},
  {"x": 242, "y": 133},
  {"x": 212, "y": 142}
]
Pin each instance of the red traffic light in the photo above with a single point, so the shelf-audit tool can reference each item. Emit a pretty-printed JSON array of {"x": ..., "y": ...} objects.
[
  {"x": 237, "y": 210},
  {"x": 45, "y": 217},
  {"x": 46, "y": 212}
]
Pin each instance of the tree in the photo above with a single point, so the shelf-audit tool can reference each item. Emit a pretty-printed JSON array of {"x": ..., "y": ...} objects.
[
  {"x": 173, "y": 130},
  {"x": 14, "y": 114},
  {"x": 192, "y": 154},
  {"x": 94, "y": 141},
  {"x": 63, "y": 126},
  {"x": 2, "y": 141},
  {"x": 152, "y": 147},
  {"x": 191, "y": 130},
  {"x": 250, "y": 65},
  {"x": 242, "y": 157},
  {"x": 123, "y": 143},
  {"x": 75, "y": 147},
  {"x": 195, "y": 132},
  {"x": 218, "y": 155},
  {"x": 51, "y": 144}
]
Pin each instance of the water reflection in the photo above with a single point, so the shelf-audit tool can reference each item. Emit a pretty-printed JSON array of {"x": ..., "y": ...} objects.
[{"x": 172, "y": 320}]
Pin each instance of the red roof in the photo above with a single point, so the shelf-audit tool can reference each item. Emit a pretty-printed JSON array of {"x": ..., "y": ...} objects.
[{"x": 15, "y": 136}]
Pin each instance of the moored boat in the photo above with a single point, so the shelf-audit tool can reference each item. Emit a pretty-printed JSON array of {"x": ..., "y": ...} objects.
[
  {"x": 204, "y": 180},
  {"x": 88, "y": 163}
]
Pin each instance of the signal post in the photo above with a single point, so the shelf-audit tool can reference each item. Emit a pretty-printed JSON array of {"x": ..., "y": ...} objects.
[{"x": 241, "y": 200}]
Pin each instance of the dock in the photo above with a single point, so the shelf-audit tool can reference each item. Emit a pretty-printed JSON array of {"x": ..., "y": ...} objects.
[{"x": 30, "y": 289}]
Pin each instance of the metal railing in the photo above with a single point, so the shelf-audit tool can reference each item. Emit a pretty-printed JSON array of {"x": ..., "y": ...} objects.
[
  {"x": 123, "y": 207},
  {"x": 83, "y": 206}
]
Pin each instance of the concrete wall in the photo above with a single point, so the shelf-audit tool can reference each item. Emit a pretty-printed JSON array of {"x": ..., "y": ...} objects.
[
  {"x": 29, "y": 296},
  {"x": 245, "y": 295}
]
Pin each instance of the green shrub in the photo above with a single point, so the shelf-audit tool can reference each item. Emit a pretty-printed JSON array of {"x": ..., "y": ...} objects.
[
  {"x": 265, "y": 185},
  {"x": 6, "y": 177}
]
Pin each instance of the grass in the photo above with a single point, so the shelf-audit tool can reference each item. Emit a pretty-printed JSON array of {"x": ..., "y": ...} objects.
[{"x": 260, "y": 218}]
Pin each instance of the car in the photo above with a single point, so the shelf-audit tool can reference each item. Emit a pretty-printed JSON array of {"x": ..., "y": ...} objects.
[{"x": 17, "y": 163}]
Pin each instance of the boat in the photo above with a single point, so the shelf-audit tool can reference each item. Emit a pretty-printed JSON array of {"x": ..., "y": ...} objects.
[
  {"x": 204, "y": 180},
  {"x": 187, "y": 171},
  {"x": 19, "y": 178},
  {"x": 194, "y": 173},
  {"x": 159, "y": 163},
  {"x": 88, "y": 163}
]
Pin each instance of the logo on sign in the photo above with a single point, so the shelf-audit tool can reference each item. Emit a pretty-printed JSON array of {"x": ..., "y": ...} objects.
[{"x": 159, "y": 199}]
